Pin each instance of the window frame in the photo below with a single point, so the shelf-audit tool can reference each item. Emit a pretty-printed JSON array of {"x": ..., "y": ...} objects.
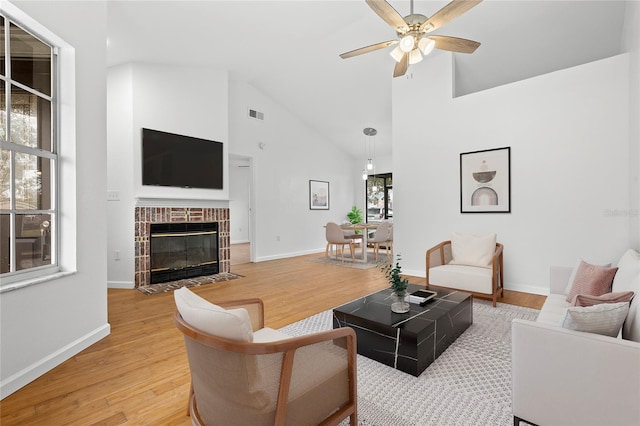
[
  {"x": 387, "y": 178},
  {"x": 20, "y": 278}
]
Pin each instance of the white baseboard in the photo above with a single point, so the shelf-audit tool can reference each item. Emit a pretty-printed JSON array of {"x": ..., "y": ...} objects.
[
  {"x": 239, "y": 242},
  {"x": 526, "y": 288},
  {"x": 120, "y": 284},
  {"x": 37, "y": 369},
  {"x": 287, "y": 255}
]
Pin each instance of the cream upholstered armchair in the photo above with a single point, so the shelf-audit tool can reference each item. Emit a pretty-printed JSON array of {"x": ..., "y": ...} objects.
[
  {"x": 245, "y": 374},
  {"x": 471, "y": 263}
]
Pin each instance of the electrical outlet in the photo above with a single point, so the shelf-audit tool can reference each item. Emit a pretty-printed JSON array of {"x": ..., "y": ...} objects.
[
  {"x": 113, "y": 195},
  {"x": 116, "y": 254},
  {"x": 277, "y": 237}
]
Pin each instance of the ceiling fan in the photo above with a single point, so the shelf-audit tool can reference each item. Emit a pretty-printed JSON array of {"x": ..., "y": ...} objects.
[{"x": 413, "y": 40}]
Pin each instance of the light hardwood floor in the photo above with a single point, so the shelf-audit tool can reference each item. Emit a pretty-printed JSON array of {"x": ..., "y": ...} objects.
[{"x": 139, "y": 373}]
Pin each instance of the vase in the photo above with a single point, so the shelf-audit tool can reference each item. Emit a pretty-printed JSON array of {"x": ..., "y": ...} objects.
[{"x": 399, "y": 304}]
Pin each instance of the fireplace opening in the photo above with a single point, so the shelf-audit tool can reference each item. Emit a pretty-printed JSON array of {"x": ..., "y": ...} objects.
[{"x": 183, "y": 250}]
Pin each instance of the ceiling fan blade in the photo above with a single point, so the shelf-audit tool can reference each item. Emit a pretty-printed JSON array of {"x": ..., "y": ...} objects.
[
  {"x": 447, "y": 13},
  {"x": 454, "y": 44},
  {"x": 368, "y": 49},
  {"x": 388, "y": 15},
  {"x": 401, "y": 67}
]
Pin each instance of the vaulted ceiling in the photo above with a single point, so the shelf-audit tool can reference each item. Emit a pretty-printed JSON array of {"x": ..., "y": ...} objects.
[{"x": 289, "y": 49}]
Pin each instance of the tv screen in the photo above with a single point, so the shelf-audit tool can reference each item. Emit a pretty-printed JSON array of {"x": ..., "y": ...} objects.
[{"x": 181, "y": 161}]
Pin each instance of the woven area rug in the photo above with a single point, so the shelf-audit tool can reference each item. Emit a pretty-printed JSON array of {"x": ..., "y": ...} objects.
[
  {"x": 188, "y": 282},
  {"x": 469, "y": 384},
  {"x": 371, "y": 263}
]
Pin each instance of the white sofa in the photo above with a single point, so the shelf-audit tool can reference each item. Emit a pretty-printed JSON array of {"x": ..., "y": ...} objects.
[{"x": 567, "y": 377}]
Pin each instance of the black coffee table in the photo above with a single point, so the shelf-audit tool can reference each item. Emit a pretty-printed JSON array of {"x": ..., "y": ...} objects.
[{"x": 409, "y": 342}]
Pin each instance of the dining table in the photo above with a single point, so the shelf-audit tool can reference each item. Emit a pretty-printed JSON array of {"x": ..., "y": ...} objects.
[{"x": 364, "y": 227}]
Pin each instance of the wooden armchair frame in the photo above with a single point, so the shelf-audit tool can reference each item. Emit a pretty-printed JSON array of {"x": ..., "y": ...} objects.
[
  {"x": 441, "y": 255},
  {"x": 288, "y": 348}
]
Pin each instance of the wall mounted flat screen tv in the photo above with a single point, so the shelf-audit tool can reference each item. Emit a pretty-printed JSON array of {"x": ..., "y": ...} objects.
[{"x": 180, "y": 161}]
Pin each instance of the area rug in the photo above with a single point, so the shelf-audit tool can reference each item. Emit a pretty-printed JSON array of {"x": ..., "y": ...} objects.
[
  {"x": 469, "y": 384},
  {"x": 188, "y": 282},
  {"x": 371, "y": 262}
]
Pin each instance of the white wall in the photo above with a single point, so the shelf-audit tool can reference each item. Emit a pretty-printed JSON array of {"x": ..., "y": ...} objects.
[
  {"x": 631, "y": 44},
  {"x": 44, "y": 324},
  {"x": 293, "y": 154},
  {"x": 120, "y": 169},
  {"x": 189, "y": 101},
  {"x": 240, "y": 177},
  {"x": 569, "y": 138}
]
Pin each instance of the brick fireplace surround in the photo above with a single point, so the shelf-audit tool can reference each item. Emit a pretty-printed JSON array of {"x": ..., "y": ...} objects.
[{"x": 145, "y": 216}]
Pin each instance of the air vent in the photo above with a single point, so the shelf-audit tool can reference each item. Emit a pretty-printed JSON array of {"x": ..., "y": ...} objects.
[{"x": 256, "y": 114}]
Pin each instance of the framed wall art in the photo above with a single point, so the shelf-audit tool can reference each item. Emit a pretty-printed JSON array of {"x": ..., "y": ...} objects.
[
  {"x": 318, "y": 195},
  {"x": 485, "y": 181}
]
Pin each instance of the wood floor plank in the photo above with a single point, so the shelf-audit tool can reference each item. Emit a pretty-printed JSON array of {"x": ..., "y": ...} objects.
[{"x": 139, "y": 374}]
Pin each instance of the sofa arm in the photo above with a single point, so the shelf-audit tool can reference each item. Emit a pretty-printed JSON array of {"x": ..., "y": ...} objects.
[
  {"x": 567, "y": 377},
  {"x": 559, "y": 278}
]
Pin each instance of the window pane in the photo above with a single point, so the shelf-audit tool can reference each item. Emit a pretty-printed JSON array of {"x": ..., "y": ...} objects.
[
  {"x": 33, "y": 240},
  {"x": 30, "y": 119},
  {"x": 5, "y": 182},
  {"x": 3, "y": 53},
  {"x": 5, "y": 241},
  {"x": 30, "y": 60},
  {"x": 32, "y": 182},
  {"x": 3, "y": 111}
]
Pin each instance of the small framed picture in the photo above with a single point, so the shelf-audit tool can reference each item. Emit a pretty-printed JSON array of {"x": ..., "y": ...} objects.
[
  {"x": 485, "y": 181},
  {"x": 318, "y": 195}
]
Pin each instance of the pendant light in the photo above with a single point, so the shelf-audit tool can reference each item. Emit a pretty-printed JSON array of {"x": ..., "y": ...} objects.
[{"x": 371, "y": 132}]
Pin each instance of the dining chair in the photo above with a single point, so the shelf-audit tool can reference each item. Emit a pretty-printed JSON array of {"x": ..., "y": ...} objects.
[
  {"x": 383, "y": 235},
  {"x": 357, "y": 239},
  {"x": 335, "y": 236}
]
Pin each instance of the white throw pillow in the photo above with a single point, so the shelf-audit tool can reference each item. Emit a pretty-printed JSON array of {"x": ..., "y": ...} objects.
[
  {"x": 473, "y": 250},
  {"x": 605, "y": 318},
  {"x": 232, "y": 324}
]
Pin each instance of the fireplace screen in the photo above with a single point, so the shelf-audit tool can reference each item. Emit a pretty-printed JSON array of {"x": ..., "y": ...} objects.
[{"x": 183, "y": 250}]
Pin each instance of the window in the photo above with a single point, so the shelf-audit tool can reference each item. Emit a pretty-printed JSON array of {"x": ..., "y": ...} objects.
[
  {"x": 379, "y": 193},
  {"x": 29, "y": 160}
]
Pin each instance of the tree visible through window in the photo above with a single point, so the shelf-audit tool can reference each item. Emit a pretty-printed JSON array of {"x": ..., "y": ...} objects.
[
  {"x": 379, "y": 193},
  {"x": 28, "y": 167}
]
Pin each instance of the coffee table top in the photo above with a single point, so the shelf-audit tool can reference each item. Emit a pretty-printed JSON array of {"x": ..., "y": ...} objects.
[{"x": 376, "y": 308}]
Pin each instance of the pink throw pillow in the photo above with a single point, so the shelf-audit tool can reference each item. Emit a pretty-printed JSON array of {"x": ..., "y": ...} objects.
[
  {"x": 586, "y": 300},
  {"x": 591, "y": 280}
]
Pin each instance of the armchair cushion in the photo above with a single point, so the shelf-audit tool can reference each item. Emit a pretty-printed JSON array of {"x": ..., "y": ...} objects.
[
  {"x": 592, "y": 280},
  {"x": 462, "y": 277},
  {"x": 472, "y": 250},
  {"x": 605, "y": 318},
  {"x": 232, "y": 324}
]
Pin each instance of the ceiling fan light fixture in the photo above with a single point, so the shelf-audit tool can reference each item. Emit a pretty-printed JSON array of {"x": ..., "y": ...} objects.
[
  {"x": 426, "y": 45},
  {"x": 407, "y": 43},
  {"x": 415, "y": 56},
  {"x": 397, "y": 54}
]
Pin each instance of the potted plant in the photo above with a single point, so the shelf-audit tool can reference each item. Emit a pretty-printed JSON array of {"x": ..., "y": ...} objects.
[
  {"x": 355, "y": 217},
  {"x": 398, "y": 285}
]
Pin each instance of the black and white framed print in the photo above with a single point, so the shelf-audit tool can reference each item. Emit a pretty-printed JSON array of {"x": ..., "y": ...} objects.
[{"x": 485, "y": 181}]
